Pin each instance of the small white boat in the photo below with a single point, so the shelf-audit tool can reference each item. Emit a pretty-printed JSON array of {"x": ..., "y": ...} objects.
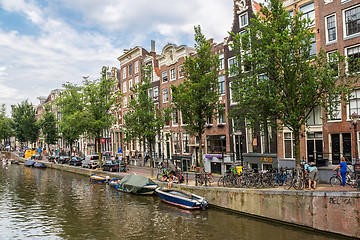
[{"x": 182, "y": 199}]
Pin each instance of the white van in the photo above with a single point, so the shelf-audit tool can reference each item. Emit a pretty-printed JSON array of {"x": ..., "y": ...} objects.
[{"x": 90, "y": 161}]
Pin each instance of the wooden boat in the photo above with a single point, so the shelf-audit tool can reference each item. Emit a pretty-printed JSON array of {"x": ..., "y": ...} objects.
[
  {"x": 40, "y": 165},
  {"x": 181, "y": 198},
  {"x": 136, "y": 184},
  {"x": 98, "y": 178},
  {"x": 29, "y": 163}
]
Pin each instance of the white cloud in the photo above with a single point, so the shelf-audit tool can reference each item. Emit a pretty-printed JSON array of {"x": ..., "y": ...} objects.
[{"x": 64, "y": 50}]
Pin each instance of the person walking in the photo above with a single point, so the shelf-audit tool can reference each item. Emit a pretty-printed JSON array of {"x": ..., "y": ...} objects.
[
  {"x": 313, "y": 173},
  {"x": 343, "y": 170}
]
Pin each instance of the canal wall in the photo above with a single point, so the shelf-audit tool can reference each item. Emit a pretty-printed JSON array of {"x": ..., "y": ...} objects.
[{"x": 336, "y": 212}]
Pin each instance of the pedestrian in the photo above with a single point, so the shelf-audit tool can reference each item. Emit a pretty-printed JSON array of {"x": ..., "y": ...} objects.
[
  {"x": 343, "y": 170},
  {"x": 172, "y": 179},
  {"x": 313, "y": 174}
]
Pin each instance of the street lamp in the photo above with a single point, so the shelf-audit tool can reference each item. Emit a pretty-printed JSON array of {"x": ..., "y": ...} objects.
[{"x": 355, "y": 119}]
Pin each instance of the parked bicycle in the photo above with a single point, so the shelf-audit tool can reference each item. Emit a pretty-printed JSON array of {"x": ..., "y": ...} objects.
[
  {"x": 203, "y": 178},
  {"x": 336, "y": 179}
]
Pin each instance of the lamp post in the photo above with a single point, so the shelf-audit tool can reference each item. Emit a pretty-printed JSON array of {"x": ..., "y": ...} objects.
[{"x": 355, "y": 119}]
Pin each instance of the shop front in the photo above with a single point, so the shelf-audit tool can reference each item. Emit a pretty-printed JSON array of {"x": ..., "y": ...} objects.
[{"x": 260, "y": 161}]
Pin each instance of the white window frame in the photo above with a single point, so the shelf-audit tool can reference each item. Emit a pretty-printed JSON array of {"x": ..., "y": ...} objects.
[
  {"x": 165, "y": 92},
  {"x": 125, "y": 101},
  {"x": 327, "y": 30},
  {"x": 130, "y": 84},
  {"x": 156, "y": 91},
  {"x": 346, "y": 54},
  {"x": 222, "y": 83},
  {"x": 136, "y": 64},
  {"x": 344, "y": 22},
  {"x": 162, "y": 76},
  {"x": 124, "y": 72},
  {"x": 180, "y": 71},
  {"x": 136, "y": 80},
  {"x": 292, "y": 142},
  {"x": 306, "y": 13},
  {"x": 172, "y": 74},
  {"x": 124, "y": 87},
  {"x": 229, "y": 66},
  {"x": 222, "y": 65},
  {"x": 247, "y": 20}
]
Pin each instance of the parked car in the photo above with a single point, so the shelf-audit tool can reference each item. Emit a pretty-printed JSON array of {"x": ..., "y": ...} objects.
[
  {"x": 63, "y": 159},
  {"x": 112, "y": 166},
  {"x": 90, "y": 161},
  {"x": 76, "y": 161},
  {"x": 36, "y": 157},
  {"x": 53, "y": 158}
]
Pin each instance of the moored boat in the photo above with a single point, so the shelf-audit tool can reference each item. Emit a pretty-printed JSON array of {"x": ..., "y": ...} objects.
[
  {"x": 137, "y": 184},
  {"x": 114, "y": 182},
  {"x": 40, "y": 165},
  {"x": 181, "y": 198},
  {"x": 98, "y": 178},
  {"x": 29, "y": 163}
]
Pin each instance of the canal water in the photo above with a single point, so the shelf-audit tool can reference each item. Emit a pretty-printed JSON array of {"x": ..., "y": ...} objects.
[{"x": 51, "y": 204}]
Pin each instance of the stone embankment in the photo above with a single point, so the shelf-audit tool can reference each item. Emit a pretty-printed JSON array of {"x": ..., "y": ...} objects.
[{"x": 330, "y": 211}]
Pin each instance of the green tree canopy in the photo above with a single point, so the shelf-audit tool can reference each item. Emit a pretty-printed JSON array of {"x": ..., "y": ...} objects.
[
  {"x": 48, "y": 125},
  {"x": 198, "y": 97},
  {"x": 279, "y": 75},
  {"x": 6, "y": 130},
  {"x": 99, "y": 99},
  {"x": 143, "y": 120},
  {"x": 26, "y": 127}
]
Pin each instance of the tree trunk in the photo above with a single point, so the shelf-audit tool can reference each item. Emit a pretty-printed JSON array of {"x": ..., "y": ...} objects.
[
  {"x": 266, "y": 138},
  {"x": 297, "y": 148},
  {"x": 99, "y": 150},
  {"x": 201, "y": 163},
  {"x": 151, "y": 160}
]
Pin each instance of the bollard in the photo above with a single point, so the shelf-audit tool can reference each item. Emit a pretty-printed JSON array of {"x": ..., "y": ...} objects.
[
  {"x": 187, "y": 178},
  {"x": 196, "y": 176},
  {"x": 205, "y": 179}
]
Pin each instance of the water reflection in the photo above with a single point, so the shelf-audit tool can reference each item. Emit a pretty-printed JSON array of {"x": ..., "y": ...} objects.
[{"x": 50, "y": 204}]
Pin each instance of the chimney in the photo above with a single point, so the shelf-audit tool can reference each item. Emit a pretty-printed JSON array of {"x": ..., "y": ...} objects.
[{"x": 152, "y": 46}]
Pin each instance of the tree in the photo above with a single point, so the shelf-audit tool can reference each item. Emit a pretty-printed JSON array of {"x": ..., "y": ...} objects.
[
  {"x": 279, "y": 75},
  {"x": 143, "y": 120},
  {"x": 198, "y": 97},
  {"x": 48, "y": 125},
  {"x": 5, "y": 124},
  {"x": 26, "y": 127},
  {"x": 73, "y": 117},
  {"x": 99, "y": 100}
]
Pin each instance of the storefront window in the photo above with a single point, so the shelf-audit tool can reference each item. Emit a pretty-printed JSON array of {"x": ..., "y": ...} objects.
[{"x": 216, "y": 144}]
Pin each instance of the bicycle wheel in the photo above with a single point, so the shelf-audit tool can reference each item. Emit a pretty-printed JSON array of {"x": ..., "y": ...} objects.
[
  {"x": 221, "y": 181},
  {"x": 335, "y": 181},
  {"x": 228, "y": 182}
]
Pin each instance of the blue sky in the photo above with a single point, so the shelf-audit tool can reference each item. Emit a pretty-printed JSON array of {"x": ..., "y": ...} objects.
[{"x": 45, "y": 43}]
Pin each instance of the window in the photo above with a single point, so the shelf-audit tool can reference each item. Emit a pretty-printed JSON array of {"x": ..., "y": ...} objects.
[
  {"x": 164, "y": 76},
  {"x": 165, "y": 95},
  {"x": 181, "y": 71},
  {"x": 337, "y": 108},
  {"x": 333, "y": 61},
  {"x": 243, "y": 19},
  {"x": 124, "y": 72},
  {"x": 221, "y": 58},
  {"x": 221, "y": 80},
  {"x": 209, "y": 121},
  {"x": 313, "y": 47},
  {"x": 232, "y": 64},
  {"x": 331, "y": 28},
  {"x": 172, "y": 74},
  {"x": 315, "y": 117},
  {"x": 352, "y": 21},
  {"x": 354, "y": 104},
  {"x": 185, "y": 141},
  {"x": 216, "y": 143},
  {"x": 289, "y": 146},
  {"x": 309, "y": 12},
  {"x": 175, "y": 117},
  {"x": 150, "y": 93},
  {"x": 136, "y": 80},
  {"x": 222, "y": 118},
  {"x": 340, "y": 146},
  {"x": 125, "y": 101},
  {"x": 136, "y": 66},
  {"x": 156, "y": 91},
  {"x": 124, "y": 87},
  {"x": 130, "y": 69},
  {"x": 130, "y": 84},
  {"x": 353, "y": 55}
]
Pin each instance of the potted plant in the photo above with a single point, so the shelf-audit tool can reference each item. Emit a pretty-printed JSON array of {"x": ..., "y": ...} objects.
[
  {"x": 208, "y": 156},
  {"x": 219, "y": 156}
]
